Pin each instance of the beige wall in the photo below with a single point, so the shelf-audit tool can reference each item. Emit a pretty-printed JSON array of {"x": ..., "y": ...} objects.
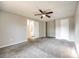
[
  {"x": 51, "y": 28},
  {"x": 12, "y": 29},
  {"x": 77, "y": 28}
]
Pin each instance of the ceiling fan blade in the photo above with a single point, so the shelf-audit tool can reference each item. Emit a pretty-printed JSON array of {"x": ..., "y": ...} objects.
[
  {"x": 49, "y": 12},
  {"x": 48, "y": 16},
  {"x": 41, "y": 17},
  {"x": 37, "y": 14},
  {"x": 41, "y": 11}
]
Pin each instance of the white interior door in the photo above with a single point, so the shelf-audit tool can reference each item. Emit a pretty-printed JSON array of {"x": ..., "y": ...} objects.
[
  {"x": 64, "y": 34},
  {"x": 62, "y": 29}
]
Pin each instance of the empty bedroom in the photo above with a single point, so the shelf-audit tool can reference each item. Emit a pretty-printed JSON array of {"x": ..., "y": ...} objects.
[{"x": 39, "y": 29}]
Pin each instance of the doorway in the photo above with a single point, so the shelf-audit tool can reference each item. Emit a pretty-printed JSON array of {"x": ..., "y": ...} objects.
[
  {"x": 32, "y": 29},
  {"x": 62, "y": 29}
]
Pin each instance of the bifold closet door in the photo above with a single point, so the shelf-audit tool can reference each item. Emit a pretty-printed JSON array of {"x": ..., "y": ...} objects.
[{"x": 62, "y": 29}]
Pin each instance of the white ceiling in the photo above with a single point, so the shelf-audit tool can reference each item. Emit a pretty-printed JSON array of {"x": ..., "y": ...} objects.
[{"x": 61, "y": 9}]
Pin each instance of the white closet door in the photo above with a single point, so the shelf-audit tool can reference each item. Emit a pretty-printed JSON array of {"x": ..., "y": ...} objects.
[
  {"x": 58, "y": 31},
  {"x": 64, "y": 30}
]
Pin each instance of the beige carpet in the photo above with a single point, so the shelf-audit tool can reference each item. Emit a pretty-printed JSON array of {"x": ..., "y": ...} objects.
[{"x": 41, "y": 48}]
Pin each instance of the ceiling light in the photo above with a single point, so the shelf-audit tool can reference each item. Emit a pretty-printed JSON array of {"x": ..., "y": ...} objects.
[{"x": 43, "y": 15}]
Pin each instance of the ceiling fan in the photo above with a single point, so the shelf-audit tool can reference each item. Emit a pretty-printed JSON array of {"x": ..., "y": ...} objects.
[{"x": 44, "y": 13}]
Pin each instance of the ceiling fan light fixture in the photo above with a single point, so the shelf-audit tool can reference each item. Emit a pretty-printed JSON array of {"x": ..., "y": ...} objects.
[{"x": 43, "y": 15}]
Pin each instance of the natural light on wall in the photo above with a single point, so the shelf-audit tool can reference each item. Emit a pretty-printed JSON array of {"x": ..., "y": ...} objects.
[
  {"x": 32, "y": 29},
  {"x": 30, "y": 25}
]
